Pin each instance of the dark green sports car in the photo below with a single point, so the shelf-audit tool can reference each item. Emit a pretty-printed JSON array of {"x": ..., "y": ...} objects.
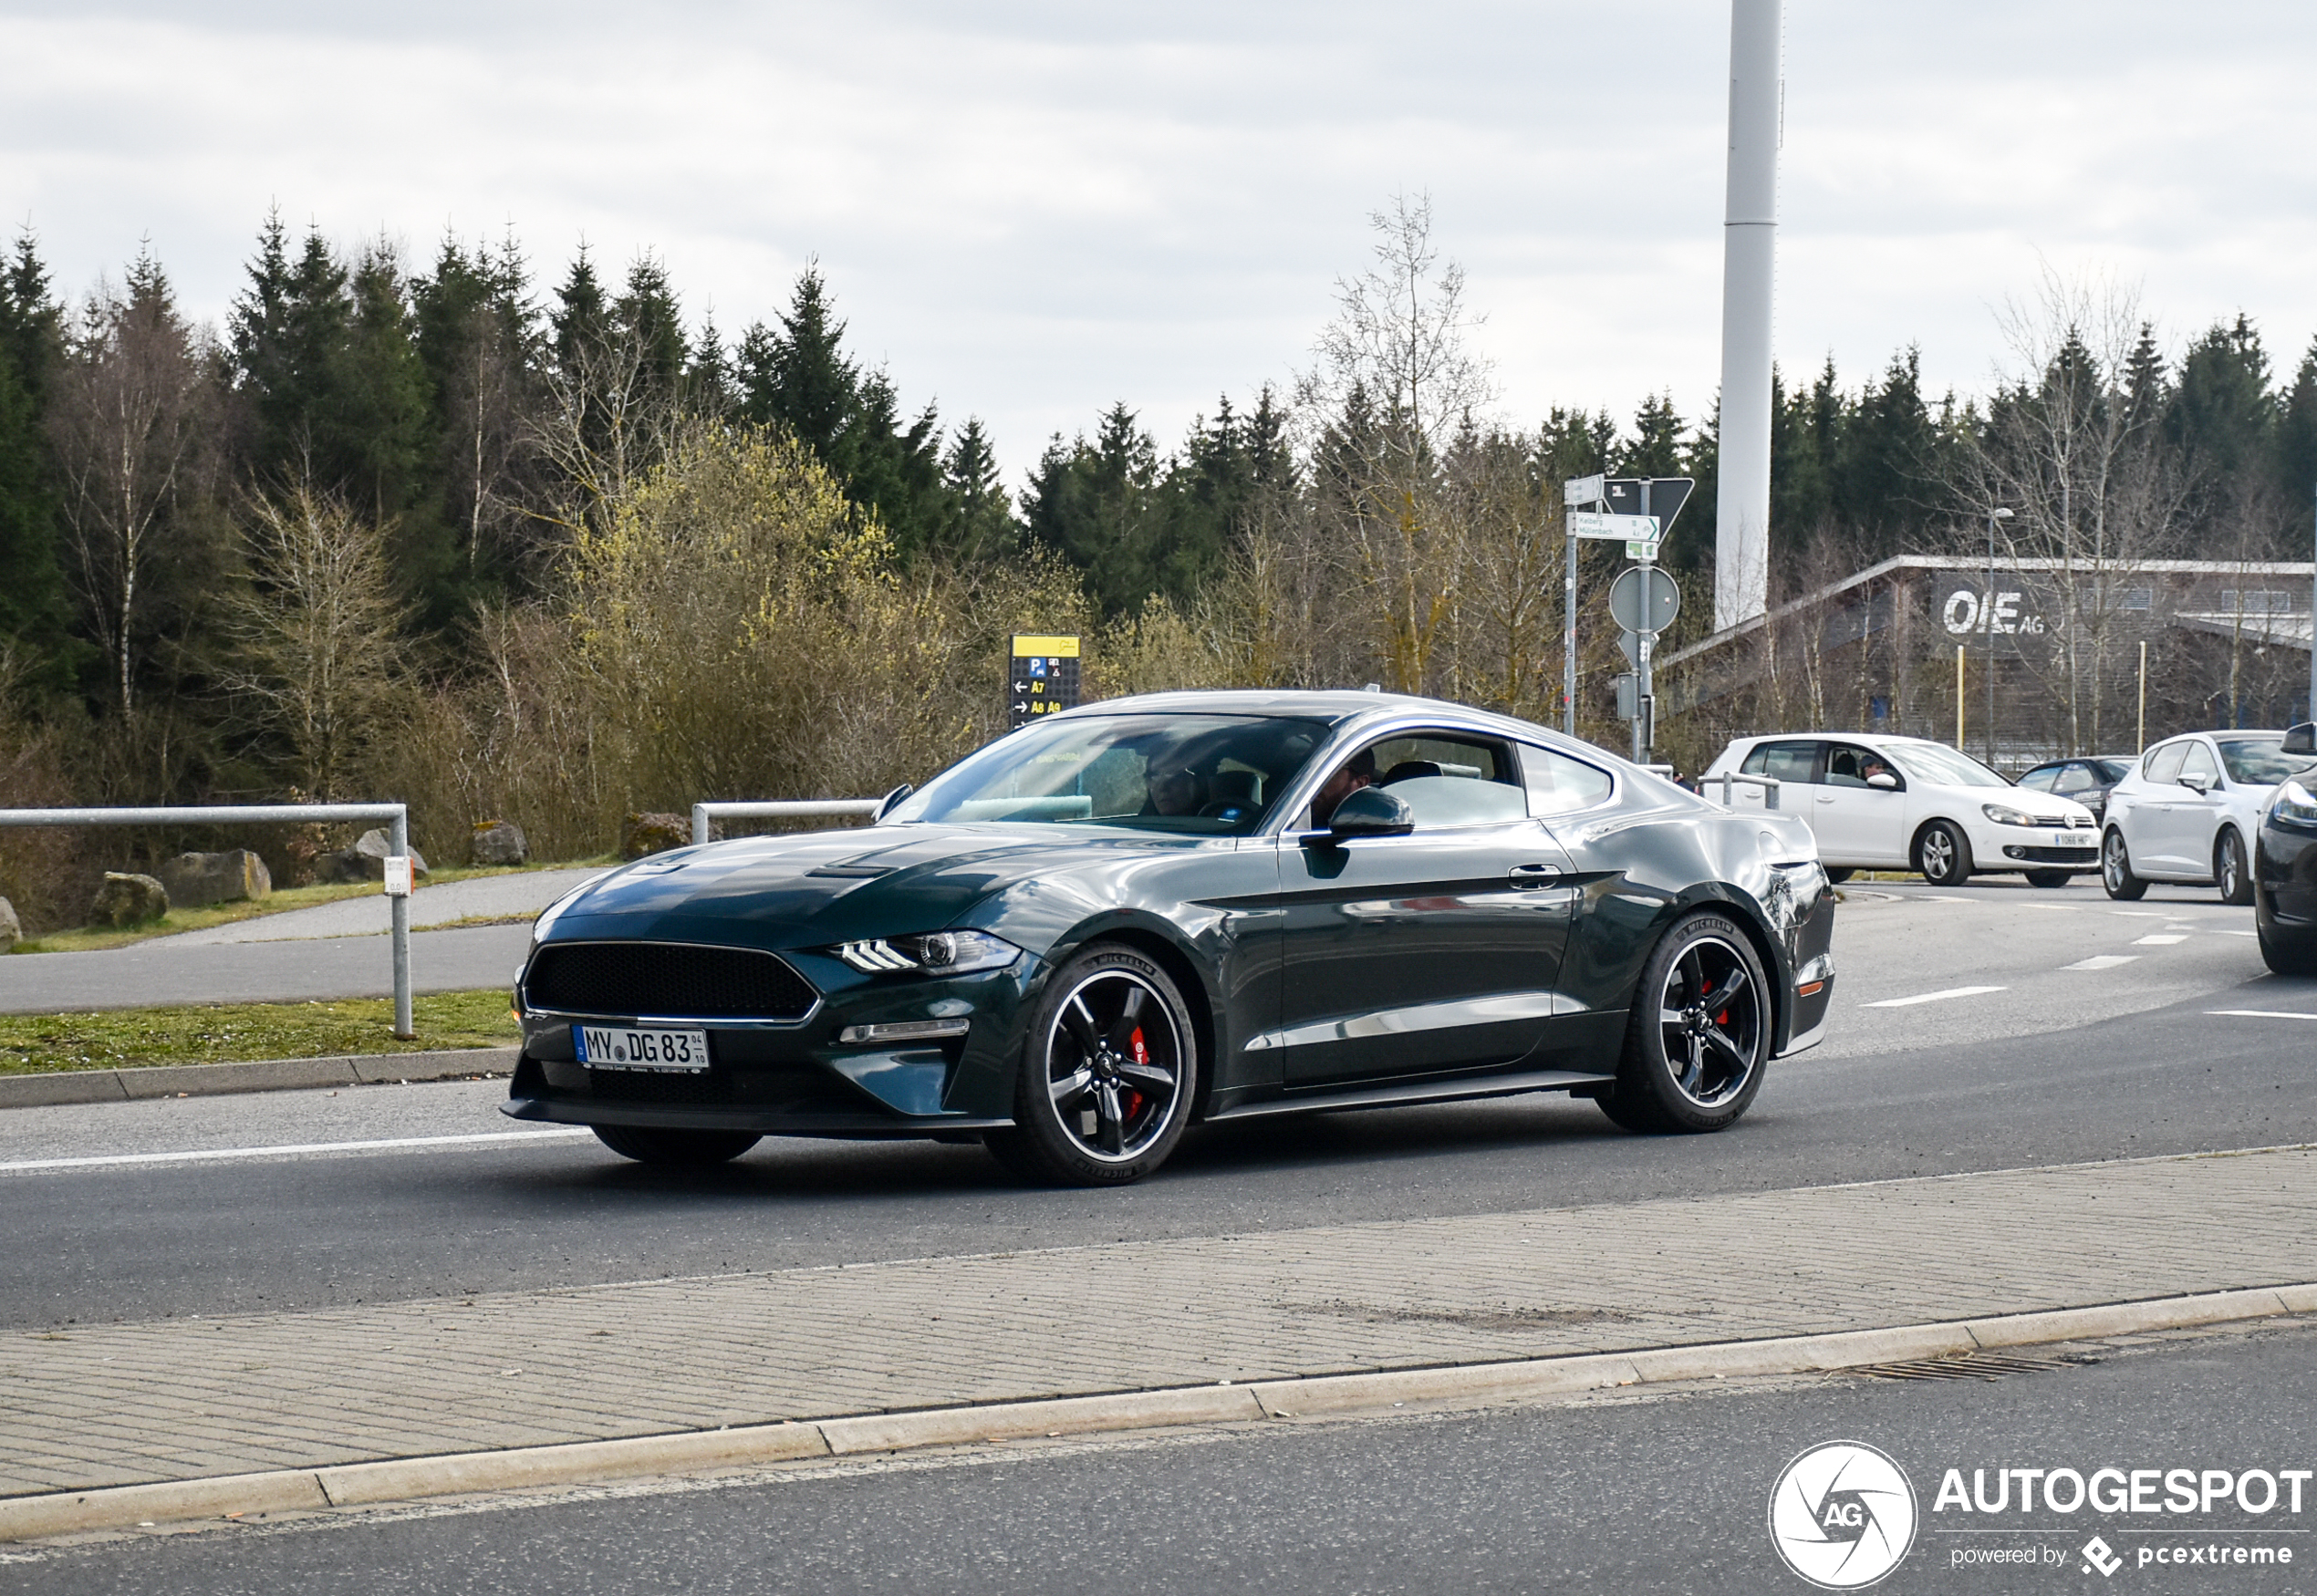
[{"x": 1151, "y": 911}]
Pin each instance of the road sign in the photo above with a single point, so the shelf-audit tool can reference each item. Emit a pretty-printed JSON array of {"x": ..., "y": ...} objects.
[
  {"x": 1666, "y": 495},
  {"x": 1629, "y": 645},
  {"x": 1592, "y": 524},
  {"x": 1043, "y": 679},
  {"x": 1583, "y": 490},
  {"x": 1644, "y": 599},
  {"x": 1644, "y": 549}
]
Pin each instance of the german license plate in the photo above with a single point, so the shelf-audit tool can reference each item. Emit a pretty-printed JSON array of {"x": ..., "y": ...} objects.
[{"x": 609, "y": 1047}]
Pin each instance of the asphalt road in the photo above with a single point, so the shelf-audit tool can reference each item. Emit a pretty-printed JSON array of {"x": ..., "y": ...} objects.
[
  {"x": 148, "y": 974},
  {"x": 2016, "y": 1076},
  {"x": 1664, "y": 1494}
]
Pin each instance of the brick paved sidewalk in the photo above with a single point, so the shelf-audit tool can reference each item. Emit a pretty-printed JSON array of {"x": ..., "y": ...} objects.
[{"x": 118, "y": 1405}]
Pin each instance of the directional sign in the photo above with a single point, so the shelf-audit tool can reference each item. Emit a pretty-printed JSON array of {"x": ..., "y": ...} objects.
[
  {"x": 1583, "y": 490},
  {"x": 1644, "y": 549},
  {"x": 1592, "y": 524},
  {"x": 1644, "y": 599},
  {"x": 1043, "y": 680}
]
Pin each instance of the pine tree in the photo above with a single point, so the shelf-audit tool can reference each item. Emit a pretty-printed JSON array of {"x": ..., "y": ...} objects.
[
  {"x": 985, "y": 528},
  {"x": 2296, "y": 454},
  {"x": 34, "y": 609}
]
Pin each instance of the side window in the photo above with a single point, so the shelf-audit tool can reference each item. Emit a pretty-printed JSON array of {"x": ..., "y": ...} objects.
[
  {"x": 2163, "y": 765},
  {"x": 1789, "y": 762},
  {"x": 1452, "y": 780},
  {"x": 1559, "y": 784},
  {"x": 2198, "y": 762},
  {"x": 2041, "y": 780},
  {"x": 2075, "y": 779}
]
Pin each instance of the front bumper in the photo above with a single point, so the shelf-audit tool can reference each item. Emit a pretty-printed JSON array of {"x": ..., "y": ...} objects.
[{"x": 799, "y": 1078}]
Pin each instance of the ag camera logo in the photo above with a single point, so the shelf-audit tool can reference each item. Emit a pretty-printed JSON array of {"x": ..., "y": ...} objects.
[{"x": 1842, "y": 1515}]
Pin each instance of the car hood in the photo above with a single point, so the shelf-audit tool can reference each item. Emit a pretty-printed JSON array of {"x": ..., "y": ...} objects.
[{"x": 824, "y": 887}]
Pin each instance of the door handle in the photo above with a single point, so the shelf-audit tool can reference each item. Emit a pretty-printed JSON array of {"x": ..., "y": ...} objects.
[
  {"x": 1533, "y": 875},
  {"x": 1826, "y": 797}
]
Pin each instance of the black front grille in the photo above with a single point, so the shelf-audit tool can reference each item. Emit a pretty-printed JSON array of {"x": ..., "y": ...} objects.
[
  {"x": 666, "y": 978},
  {"x": 2034, "y": 855},
  {"x": 682, "y": 1087}
]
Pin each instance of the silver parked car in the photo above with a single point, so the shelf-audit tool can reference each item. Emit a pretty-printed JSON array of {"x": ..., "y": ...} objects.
[{"x": 2191, "y": 810}]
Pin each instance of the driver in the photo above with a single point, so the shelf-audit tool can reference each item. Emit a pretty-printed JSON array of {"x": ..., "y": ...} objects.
[
  {"x": 1872, "y": 765},
  {"x": 1176, "y": 792},
  {"x": 1355, "y": 772}
]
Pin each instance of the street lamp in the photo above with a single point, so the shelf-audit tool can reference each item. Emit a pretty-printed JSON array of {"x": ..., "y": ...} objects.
[{"x": 1987, "y": 617}]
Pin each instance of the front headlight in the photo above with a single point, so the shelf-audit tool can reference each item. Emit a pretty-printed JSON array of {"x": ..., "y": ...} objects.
[
  {"x": 934, "y": 953},
  {"x": 2004, "y": 814},
  {"x": 2293, "y": 803}
]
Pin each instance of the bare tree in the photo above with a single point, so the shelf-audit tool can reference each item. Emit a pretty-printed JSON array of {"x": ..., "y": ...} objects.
[
  {"x": 1393, "y": 382},
  {"x": 130, "y": 428},
  {"x": 319, "y": 656},
  {"x": 2075, "y": 456}
]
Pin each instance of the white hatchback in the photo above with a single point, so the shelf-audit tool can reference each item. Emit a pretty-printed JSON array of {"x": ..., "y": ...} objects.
[
  {"x": 1904, "y": 804},
  {"x": 2190, "y": 812}
]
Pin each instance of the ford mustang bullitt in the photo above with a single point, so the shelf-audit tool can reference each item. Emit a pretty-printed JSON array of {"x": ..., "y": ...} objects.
[{"x": 1144, "y": 913}]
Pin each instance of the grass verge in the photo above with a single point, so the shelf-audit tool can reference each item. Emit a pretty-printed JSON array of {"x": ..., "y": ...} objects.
[
  {"x": 93, "y": 938},
  {"x": 234, "y": 1032}
]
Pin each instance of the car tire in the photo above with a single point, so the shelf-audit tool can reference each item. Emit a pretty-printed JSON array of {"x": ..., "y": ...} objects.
[
  {"x": 2116, "y": 869},
  {"x": 1943, "y": 855},
  {"x": 1836, "y": 878},
  {"x": 2048, "y": 877},
  {"x": 1109, "y": 1074},
  {"x": 676, "y": 1149},
  {"x": 2228, "y": 871},
  {"x": 1699, "y": 1070}
]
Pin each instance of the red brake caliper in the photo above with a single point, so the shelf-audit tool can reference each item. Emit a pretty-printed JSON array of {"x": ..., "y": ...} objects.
[{"x": 1142, "y": 1056}]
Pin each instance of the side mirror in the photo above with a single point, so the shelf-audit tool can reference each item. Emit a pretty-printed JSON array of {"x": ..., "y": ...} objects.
[
  {"x": 2197, "y": 784},
  {"x": 1371, "y": 812},
  {"x": 2302, "y": 738},
  {"x": 892, "y": 801},
  {"x": 1884, "y": 782}
]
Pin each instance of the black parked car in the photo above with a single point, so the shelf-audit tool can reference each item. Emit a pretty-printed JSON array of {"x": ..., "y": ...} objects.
[
  {"x": 2082, "y": 781},
  {"x": 1192, "y": 906},
  {"x": 2284, "y": 876}
]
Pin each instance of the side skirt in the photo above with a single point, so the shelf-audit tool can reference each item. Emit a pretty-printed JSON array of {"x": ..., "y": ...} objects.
[{"x": 1406, "y": 1092}]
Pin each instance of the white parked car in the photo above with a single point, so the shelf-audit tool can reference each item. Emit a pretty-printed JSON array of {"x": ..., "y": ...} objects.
[
  {"x": 2190, "y": 812},
  {"x": 1903, "y": 803}
]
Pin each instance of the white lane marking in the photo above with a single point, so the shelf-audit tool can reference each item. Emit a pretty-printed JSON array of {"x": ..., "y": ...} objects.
[
  {"x": 2101, "y": 962},
  {"x": 1932, "y": 997},
  {"x": 2236, "y": 933},
  {"x": 285, "y": 1149},
  {"x": 1935, "y": 898},
  {"x": 2262, "y": 1013},
  {"x": 2156, "y": 941},
  {"x": 2140, "y": 914}
]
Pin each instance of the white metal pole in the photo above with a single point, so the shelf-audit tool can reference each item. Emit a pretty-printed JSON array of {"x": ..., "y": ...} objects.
[
  {"x": 1741, "y": 499},
  {"x": 398, "y": 843},
  {"x": 1569, "y": 640}
]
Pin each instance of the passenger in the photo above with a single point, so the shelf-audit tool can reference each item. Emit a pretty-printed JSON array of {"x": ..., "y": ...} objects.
[{"x": 1355, "y": 772}]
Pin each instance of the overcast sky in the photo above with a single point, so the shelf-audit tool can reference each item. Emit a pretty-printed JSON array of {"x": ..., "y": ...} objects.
[{"x": 1028, "y": 209}]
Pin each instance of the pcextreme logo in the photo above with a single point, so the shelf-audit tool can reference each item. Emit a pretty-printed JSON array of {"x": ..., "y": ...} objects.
[{"x": 1842, "y": 1515}]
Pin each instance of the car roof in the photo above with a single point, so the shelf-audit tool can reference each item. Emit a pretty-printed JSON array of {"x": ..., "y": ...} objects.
[{"x": 1339, "y": 707}]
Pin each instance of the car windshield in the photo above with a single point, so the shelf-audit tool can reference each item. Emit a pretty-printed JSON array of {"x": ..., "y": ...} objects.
[
  {"x": 1206, "y": 774},
  {"x": 2261, "y": 761},
  {"x": 1929, "y": 761},
  {"x": 2112, "y": 771}
]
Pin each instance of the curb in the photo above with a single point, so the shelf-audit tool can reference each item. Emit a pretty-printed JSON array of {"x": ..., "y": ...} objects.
[
  {"x": 414, "y": 1478},
  {"x": 52, "y": 1088}
]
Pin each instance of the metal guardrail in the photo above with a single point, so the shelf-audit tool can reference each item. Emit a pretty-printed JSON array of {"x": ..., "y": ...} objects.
[
  {"x": 705, "y": 816},
  {"x": 395, "y": 815},
  {"x": 1769, "y": 784}
]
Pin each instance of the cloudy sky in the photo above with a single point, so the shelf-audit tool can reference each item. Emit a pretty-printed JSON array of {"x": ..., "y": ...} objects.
[{"x": 1030, "y": 207}]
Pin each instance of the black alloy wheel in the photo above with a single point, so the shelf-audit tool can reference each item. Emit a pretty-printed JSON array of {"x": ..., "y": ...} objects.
[
  {"x": 1700, "y": 1034},
  {"x": 675, "y": 1149},
  {"x": 2228, "y": 872},
  {"x": 1943, "y": 855},
  {"x": 2293, "y": 956},
  {"x": 1108, "y": 1072},
  {"x": 2047, "y": 877},
  {"x": 2115, "y": 870}
]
